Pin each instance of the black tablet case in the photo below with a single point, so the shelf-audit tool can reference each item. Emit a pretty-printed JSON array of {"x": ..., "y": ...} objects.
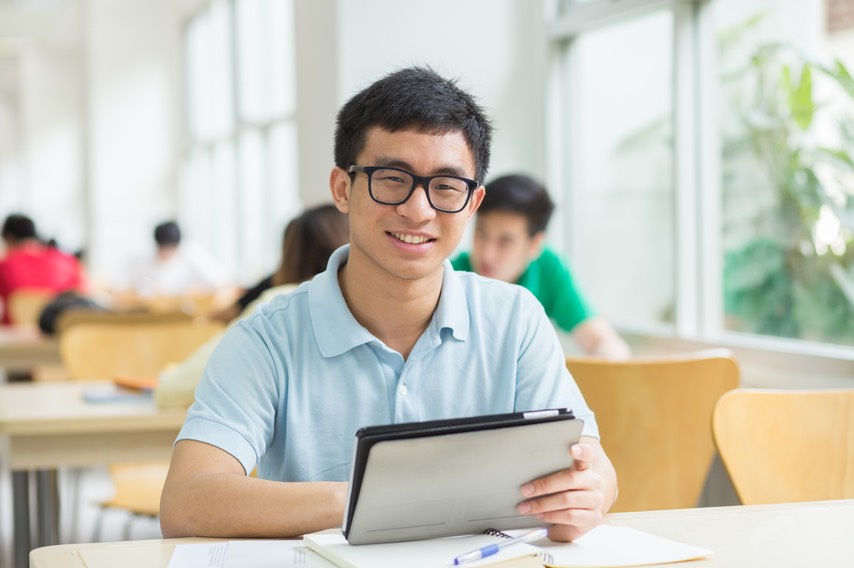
[{"x": 439, "y": 478}]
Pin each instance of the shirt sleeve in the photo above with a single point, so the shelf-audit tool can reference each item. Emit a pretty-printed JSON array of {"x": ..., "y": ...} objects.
[
  {"x": 560, "y": 296},
  {"x": 238, "y": 397},
  {"x": 543, "y": 380}
]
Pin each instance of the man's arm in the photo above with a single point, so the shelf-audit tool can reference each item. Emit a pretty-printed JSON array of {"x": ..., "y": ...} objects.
[
  {"x": 596, "y": 337},
  {"x": 208, "y": 494},
  {"x": 574, "y": 500}
]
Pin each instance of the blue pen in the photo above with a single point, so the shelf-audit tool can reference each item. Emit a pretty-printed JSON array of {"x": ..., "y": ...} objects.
[{"x": 536, "y": 534}]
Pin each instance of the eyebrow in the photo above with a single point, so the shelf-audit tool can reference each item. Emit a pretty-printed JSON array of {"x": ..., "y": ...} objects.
[{"x": 398, "y": 163}]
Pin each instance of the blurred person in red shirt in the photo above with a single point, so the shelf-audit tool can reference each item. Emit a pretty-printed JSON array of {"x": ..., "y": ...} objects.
[{"x": 29, "y": 263}]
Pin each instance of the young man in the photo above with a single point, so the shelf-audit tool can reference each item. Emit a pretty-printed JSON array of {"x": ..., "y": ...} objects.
[
  {"x": 29, "y": 263},
  {"x": 175, "y": 268},
  {"x": 388, "y": 333},
  {"x": 508, "y": 245}
]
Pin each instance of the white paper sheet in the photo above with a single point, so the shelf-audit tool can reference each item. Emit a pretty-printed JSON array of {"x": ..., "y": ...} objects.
[{"x": 247, "y": 554}]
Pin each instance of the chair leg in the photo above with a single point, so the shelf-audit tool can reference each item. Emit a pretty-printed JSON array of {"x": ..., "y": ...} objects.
[
  {"x": 128, "y": 523},
  {"x": 76, "y": 475},
  {"x": 99, "y": 521}
]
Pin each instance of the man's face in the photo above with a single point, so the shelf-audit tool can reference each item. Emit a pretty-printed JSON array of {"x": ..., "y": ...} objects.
[
  {"x": 165, "y": 252},
  {"x": 409, "y": 241},
  {"x": 502, "y": 246}
]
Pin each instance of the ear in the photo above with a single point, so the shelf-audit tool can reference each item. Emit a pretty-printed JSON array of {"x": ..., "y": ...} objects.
[
  {"x": 476, "y": 199},
  {"x": 537, "y": 244},
  {"x": 339, "y": 185}
]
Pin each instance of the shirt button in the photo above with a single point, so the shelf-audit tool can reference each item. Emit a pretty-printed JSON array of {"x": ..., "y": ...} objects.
[{"x": 401, "y": 390}]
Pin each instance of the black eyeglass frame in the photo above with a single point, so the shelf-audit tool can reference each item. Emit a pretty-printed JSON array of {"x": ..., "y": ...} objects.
[{"x": 423, "y": 181}]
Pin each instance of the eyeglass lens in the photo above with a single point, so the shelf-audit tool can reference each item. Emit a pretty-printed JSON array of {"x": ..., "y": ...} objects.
[{"x": 392, "y": 186}]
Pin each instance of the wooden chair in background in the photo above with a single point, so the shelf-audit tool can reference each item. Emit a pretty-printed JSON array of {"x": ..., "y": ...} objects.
[
  {"x": 134, "y": 347},
  {"x": 130, "y": 347},
  {"x": 784, "y": 446},
  {"x": 654, "y": 417},
  {"x": 75, "y": 316},
  {"x": 25, "y": 305}
]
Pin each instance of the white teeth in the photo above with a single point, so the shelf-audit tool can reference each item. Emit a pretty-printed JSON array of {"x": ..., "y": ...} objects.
[{"x": 410, "y": 239}]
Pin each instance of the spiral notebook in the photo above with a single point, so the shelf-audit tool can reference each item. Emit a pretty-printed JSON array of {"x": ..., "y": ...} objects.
[
  {"x": 603, "y": 547},
  {"x": 412, "y": 554}
]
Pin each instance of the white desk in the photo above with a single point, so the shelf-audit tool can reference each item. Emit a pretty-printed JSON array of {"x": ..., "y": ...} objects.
[
  {"x": 796, "y": 535},
  {"x": 48, "y": 425}
]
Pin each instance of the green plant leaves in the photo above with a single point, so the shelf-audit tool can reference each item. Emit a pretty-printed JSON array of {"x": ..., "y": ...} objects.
[{"x": 801, "y": 103}]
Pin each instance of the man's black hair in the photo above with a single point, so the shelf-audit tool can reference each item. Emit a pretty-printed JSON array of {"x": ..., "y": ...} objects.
[
  {"x": 414, "y": 98},
  {"x": 167, "y": 234},
  {"x": 519, "y": 194},
  {"x": 18, "y": 227}
]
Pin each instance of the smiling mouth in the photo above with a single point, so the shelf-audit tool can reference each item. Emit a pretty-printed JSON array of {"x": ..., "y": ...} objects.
[{"x": 411, "y": 239}]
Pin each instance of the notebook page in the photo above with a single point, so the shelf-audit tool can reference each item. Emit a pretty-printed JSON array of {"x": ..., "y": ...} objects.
[
  {"x": 242, "y": 554},
  {"x": 609, "y": 546}
]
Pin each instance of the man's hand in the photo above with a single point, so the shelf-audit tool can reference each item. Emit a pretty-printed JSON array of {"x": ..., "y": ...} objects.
[{"x": 573, "y": 500}]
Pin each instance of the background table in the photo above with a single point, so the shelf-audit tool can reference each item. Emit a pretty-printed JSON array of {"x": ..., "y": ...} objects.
[
  {"x": 22, "y": 348},
  {"x": 792, "y": 535},
  {"x": 45, "y": 426}
]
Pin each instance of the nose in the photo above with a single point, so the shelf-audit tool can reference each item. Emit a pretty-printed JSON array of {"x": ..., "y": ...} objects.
[
  {"x": 487, "y": 252},
  {"x": 417, "y": 207}
]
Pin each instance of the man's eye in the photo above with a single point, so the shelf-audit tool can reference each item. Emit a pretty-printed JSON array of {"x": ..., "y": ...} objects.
[{"x": 391, "y": 179}]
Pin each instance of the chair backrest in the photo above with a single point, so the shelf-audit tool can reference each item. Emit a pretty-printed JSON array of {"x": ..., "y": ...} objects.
[
  {"x": 103, "y": 350},
  {"x": 654, "y": 417},
  {"x": 25, "y": 305},
  {"x": 74, "y": 316},
  {"x": 787, "y": 445}
]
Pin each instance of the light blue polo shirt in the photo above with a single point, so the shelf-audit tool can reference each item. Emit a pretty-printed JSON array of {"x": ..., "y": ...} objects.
[{"x": 288, "y": 388}]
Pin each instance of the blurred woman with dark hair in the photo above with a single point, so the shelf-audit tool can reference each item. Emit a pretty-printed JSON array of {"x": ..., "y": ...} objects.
[{"x": 308, "y": 241}]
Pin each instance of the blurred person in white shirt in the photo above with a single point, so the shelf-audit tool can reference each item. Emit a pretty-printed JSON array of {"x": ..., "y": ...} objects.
[{"x": 175, "y": 269}]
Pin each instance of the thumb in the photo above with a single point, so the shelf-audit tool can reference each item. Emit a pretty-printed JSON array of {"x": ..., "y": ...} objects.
[{"x": 581, "y": 455}]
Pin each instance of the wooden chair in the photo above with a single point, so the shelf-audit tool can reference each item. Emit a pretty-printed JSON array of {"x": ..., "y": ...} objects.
[
  {"x": 654, "y": 417},
  {"x": 25, "y": 305},
  {"x": 136, "y": 488},
  {"x": 133, "y": 348},
  {"x": 787, "y": 445},
  {"x": 76, "y": 316}
]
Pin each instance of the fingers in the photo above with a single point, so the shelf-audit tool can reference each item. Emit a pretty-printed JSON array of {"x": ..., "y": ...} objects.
[
  {"x": 571, "y": 500},
  {"x": 565, "y": 479},
  {"x": 582, "y": 456},
  {"x": 564, "y": 490}
]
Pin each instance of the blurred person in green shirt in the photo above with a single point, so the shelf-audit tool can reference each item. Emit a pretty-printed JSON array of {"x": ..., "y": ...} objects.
[{"x": 509, "y": 245}]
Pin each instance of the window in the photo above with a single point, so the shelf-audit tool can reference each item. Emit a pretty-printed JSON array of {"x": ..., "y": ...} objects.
[
  {"x": 706, "y": 164},
  {"x": 621, "y": 170},
  {"x": 238, "y": 182},
  {"x": 787, "y": 124}
]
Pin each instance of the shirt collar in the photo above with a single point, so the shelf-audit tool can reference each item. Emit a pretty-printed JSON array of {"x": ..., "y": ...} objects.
[
  {"x": 452, "y": 313},
  {"x": 337, "y": 331}
]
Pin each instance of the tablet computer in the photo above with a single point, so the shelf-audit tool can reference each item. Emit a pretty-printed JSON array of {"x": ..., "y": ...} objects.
[{"x": 439, "y": 478}]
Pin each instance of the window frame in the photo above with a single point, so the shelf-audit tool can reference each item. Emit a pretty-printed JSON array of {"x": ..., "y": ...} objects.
[
  {"x": 244, "y": 257},
  {"x": 698, "y": 270}
]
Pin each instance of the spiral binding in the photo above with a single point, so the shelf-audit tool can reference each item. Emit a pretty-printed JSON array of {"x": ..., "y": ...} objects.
[{"x": 546, "y": 557}]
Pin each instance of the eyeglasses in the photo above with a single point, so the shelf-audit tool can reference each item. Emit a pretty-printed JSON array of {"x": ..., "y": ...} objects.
[{"x": 393, "y": 186}]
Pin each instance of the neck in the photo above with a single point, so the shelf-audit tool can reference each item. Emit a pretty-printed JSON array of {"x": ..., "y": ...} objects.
[
  {"x": 15, "y": 243},
  {"x": 394, "y": 310}
]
